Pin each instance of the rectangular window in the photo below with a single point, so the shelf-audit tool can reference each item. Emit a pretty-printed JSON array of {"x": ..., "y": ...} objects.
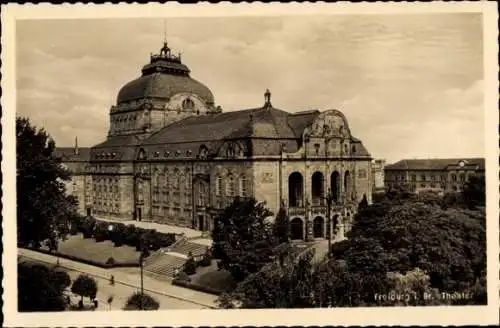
[
  {"x": 230, "y": 187},
  {"x": 422, "y": 177},
  {"x": 413, "y": 177},
  {"x": 218, "y": 186},
  {"x": 243, "y": 187}
]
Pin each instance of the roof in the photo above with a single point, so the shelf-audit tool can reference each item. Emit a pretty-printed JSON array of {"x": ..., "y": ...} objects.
[
  {"x": 69, "y": 154},
  {"x": 434, "y": 164},
  {"x": 265, "y": 122},
  {"x": 163, "y": 86},
  {"x": 116, "y": 148}
]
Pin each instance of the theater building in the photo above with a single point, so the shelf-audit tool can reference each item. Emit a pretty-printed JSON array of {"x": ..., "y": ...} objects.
[
  {"x": 171, "y": 156},
  {"x": 439, "y": 175}
]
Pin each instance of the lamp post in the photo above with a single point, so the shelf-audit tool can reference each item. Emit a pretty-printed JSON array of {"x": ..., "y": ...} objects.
[
  {"x": 144, "y": 253},
  {"x": 329, "y": 200}
]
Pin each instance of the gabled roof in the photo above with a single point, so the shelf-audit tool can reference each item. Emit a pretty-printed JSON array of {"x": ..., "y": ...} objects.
[{"x": 434, "y": 164}]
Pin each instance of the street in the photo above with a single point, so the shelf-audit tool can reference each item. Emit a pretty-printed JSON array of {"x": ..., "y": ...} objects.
[{"x": 126, "y": 283}]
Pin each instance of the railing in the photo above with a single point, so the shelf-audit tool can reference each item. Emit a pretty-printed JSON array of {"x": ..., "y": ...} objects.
[{"x": 296, "y": 211}]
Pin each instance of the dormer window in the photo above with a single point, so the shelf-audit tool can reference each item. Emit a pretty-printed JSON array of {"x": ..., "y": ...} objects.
[
  {"x": 167, "y": 153},
  {"x": 189, "y": 152},
  {"x": 177, "y": 152},
  {"x": 157, "y": 153}
]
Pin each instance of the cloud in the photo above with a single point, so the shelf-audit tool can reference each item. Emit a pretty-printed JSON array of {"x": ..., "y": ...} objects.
[{"x": 399, "y": 79}]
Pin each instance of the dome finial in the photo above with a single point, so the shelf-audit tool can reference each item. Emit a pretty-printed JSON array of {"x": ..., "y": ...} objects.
[{"x": 267, "y": 97}]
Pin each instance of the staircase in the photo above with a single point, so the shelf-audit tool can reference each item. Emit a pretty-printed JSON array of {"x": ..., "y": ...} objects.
[
  {"x": 164, "y": 264},
  {"x": 185, "y": 246}
]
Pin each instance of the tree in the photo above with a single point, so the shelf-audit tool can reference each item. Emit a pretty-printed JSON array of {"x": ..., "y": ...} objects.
[
  {"x": 282, "y": 226},
  {"x": 363, "y": 204},
  {"x": 284, "y": 283},
  {"x": 474, "y": 192},
  {"x": 140, "y": 301},
  {"x": 85, "y": 286},
  {"x": 190, "y": 265},
  {"x": 40, "y": 288},
  {"x": 394, "y": 247},
  {"x": 42, "y": 205},
  {"x": 243, "y": 239},
  {"x": 412, "y": 288}
]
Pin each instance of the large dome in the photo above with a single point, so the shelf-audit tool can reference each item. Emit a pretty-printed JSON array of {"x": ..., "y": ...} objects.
[
  {"x": 164, "y": 77},
  {"x": 163, "y": 86}
]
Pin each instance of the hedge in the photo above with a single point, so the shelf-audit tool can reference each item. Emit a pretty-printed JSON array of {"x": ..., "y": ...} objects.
[
  {"x": 85, "y": 261},
  {"x": 121, "y": 234},
  {"x": 201, "y": 288}
]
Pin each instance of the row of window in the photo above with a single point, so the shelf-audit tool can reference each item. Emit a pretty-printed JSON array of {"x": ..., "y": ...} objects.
[
  {"x": 101, "y": 205},
  {"x": 123, "y": 122},
  {"x": 169, "y": 211},
  {"x": 453, "y": 177},
  {"x": 174, "y": 181},
  {"x": 174, "y": 197},
  {"x": 231, "y": 186}
]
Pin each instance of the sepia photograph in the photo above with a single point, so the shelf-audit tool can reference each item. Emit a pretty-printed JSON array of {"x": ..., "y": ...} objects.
[{"x": 224, "y": 161}]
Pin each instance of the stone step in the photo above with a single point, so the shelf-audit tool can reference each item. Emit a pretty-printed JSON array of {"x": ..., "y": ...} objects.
[
  {"x": 186, "y": 247},
  {"x": 165, "y": 265}
]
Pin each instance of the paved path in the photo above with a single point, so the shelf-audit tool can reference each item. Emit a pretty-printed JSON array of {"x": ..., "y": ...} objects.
[{"x": 127, "y": 281}]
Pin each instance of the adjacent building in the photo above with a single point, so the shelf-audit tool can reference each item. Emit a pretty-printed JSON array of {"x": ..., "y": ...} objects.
[
  {"x": 378, "y": 175},
  {"x": 171, "y": 156},
  {"x": 440, "y": 175}
]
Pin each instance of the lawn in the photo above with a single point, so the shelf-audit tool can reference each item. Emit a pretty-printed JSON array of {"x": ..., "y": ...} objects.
[
  {"x": 90, "y": 250},
  {"x": 213, "y": 278}
]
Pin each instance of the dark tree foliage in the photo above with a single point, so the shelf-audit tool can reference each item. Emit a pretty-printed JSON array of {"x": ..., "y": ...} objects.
[
  {"x": 42, "y": 205},
  {"x": 85, "y": 286},
  {"x": 285, "y": 283},
  {"x": 190, "y": 265},
  {"x": 139, "y": 301},
  {"x": 363, "y": 204},
  {"x": 282, "y": 226},
  {"x": 393, "y": 245},
  {"x": 474, "y": 192},
  {"x": 243, "y": 239},
  {"x": 40, "y": 288}
]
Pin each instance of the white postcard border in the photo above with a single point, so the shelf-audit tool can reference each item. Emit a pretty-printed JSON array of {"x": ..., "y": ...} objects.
[{"x": 458, "y": 315}]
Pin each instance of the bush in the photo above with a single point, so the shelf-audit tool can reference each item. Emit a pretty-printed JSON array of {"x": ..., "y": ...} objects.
[
  {"x": 207, "y": 258},
  {"x": 183, "y": 276},
  {"x": 111, "y": 261},
  {"x": 140, "y": 301},
  {"x": 101, "y": 231},
  {"x": 87, "y": 227},
  {"x": 201, "y": 288},
  {"x": 117, "y": 236},
  {"x": 190, "y": 266}
]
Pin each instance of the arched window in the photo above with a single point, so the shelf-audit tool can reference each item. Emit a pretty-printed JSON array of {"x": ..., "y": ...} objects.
[
  {"x": 230, "y": 187},
  {"x": 187, "y": 103},
  {"x": 347, "y": 182},
  {"x": 295, "y": 190},
  {"x": 243, "y": 187},
  {"x": 317, "y": 190},
  {"x": 335, "y": 185}
]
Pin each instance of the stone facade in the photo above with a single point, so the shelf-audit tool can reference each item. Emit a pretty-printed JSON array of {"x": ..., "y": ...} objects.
[
  {"x": 173, "y": 157},
  {"x": 439, "y": 175},
  {"x": 378, "y": 175}
]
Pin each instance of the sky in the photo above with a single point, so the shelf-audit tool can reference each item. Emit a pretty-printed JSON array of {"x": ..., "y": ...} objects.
[{"x": 411, "y": 86}]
